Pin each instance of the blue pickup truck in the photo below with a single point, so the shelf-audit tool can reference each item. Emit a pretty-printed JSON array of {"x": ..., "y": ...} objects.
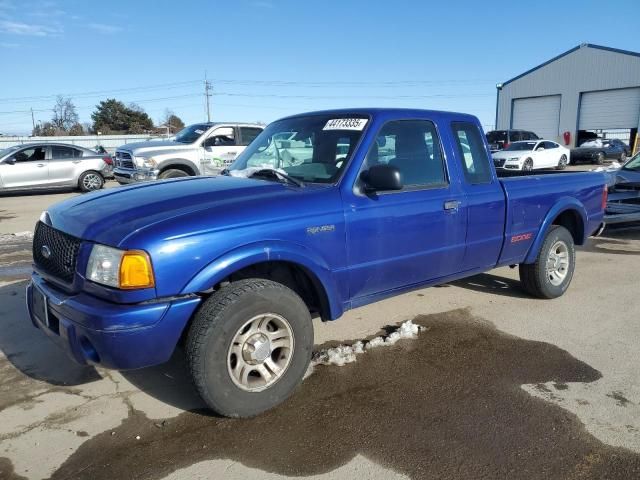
[{"x": 322, "y": 213}]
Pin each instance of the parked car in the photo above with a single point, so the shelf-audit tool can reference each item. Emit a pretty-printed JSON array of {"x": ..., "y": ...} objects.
[
  {"x": 599, "y": 150},
  {"x": 52, "y": 165},
  {"x": 629, "y": 173},
  {"x": 532, "y": 155},
  {"x": 200, "y": 149},
  {"x": 236, "y": 265},
  {"x": 501, "y": 139}
]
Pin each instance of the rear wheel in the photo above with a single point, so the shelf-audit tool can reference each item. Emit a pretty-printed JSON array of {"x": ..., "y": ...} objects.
[
  {"x": 249, "y": 347},
  {"x": 623, "y": 157},
  {"x": 551, "y": 273},
  {"x": 90, "y": 181},
  {"x": 527, "y": 166},
  {"x": 600, "y": 158},
  {"x": 562, "y": 163},
  {"x": 172, "y": 173}
]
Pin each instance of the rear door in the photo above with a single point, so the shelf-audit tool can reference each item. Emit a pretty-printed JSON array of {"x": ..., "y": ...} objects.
[
  {"x": 63, "y": 163},
  {"x": 485, "y": 198},
  {"x": 401, "y": 238},
  {"x": 27, "y": 167}
]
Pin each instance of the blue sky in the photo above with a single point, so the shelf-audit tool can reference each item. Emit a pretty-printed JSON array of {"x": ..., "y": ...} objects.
[{"x": 270, "y": 58}]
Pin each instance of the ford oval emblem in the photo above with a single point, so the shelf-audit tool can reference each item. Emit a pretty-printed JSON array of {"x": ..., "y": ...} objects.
[{"x": 45, "y": 251}]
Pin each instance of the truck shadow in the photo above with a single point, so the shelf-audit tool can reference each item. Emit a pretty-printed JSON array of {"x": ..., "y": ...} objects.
[
  {"x": 29, "y": 350},
  {"x": 493, "y": 284}
]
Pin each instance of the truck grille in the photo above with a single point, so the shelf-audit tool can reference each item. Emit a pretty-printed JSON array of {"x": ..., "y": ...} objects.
[
  {"x": 124, "y": 160},
  {"x": 62, "y": 252}
]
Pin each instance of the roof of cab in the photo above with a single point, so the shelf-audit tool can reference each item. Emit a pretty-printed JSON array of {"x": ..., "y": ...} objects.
[{"x": 390, "y": 113}]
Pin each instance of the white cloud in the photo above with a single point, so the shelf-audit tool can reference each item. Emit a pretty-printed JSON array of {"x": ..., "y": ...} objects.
[
  {"x": 105, "y": 28},
  {"x": 35, "y": 30}
]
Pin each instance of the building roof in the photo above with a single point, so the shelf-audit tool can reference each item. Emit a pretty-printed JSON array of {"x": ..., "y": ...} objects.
[{"x": 584, "y": 45}]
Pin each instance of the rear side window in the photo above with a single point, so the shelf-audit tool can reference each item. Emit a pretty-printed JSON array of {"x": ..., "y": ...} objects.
[
  {"x": 472, "y": 153},
  {"x": 60, "y": 152},
  {"x": 247, "y": 134},
  {"x": 517, "y": 136}
]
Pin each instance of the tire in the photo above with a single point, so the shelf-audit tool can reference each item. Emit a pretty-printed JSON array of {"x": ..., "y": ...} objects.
[
  {"x": 562, "y": 163},
  {"x": 90, "y": 181},
  {"x": 527, "y": 166},
  {"x": 623, "y": 157},
  {"x": 173, "y": 173},
  {"x": 541, "y": 282},
  {"x": 220, "y": 329},
  {"x": 600, "y": 158}
]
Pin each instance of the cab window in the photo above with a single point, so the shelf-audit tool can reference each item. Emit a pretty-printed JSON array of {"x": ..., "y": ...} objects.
[{"x": 472, "y": 153}]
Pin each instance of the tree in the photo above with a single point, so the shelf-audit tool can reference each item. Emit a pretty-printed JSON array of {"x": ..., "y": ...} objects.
[
  {"x": 113, "y": 116},
  {"x": 171, "y": 121},
  {"x": 76, "y": 129},
  {"x": 46, "y": 129},
  {"x": 64, "y": 114}
]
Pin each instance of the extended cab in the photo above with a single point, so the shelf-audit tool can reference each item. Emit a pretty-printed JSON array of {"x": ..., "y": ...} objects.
[
  {"x": 200, "y": 149},
  {"x": 322, "y": 213}
]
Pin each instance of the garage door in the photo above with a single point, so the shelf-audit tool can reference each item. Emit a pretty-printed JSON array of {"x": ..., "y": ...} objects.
[
  {"x": 540, "y": 115},
  {"x": 609, "y": 109}
]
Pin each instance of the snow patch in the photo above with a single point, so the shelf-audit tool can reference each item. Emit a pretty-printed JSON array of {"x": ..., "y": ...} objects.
[{"x": 344, "y": 354}]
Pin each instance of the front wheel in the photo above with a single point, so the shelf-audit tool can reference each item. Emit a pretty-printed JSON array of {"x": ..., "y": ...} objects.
[
  {"x": 90, "y": 181},
  {"x": 249, "y": 347},
  {"x": 550, "y": 275},
  {"x": 623, "y": 157},
  {"x": 600, "y": 158},
  {"x": 528, "y": 165},
  {"x": 172, "y": 173},
  {"x": 562, "y": 163}
]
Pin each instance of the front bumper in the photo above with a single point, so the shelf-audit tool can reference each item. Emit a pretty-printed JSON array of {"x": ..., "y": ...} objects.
[
  {"x": 97, "y": 332},
  {"x": 127, "y": 175}
]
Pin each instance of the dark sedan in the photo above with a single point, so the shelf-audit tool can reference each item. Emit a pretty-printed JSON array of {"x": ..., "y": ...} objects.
[
  {"x": 599, "y": 150},
  {"x": 629, "y": 174}
]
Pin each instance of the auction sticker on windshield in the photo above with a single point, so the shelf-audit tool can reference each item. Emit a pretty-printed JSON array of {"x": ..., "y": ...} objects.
[{"x": 345, "y": 124}]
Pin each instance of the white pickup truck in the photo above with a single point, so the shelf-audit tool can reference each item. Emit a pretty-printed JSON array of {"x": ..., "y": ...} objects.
[{"x": 199, "y": 149}]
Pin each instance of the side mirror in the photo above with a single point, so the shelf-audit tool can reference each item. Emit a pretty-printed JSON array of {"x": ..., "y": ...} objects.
[
  {"x": 208, "y": 148},
  {"x": 381, "y": 178},
  {"x": 9, "y": 161},
  {"x": 540, "y": 149}
]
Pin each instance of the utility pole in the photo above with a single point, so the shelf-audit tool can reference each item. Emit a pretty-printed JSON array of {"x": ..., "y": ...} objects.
[
  {"x": 207, "y": 89},
  {"x": 33, "y": 120}
]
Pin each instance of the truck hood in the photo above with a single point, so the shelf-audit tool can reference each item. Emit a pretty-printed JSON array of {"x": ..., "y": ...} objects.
[
  {"x": 155, "y": 145},
  {"x": 114, "y": 215}
]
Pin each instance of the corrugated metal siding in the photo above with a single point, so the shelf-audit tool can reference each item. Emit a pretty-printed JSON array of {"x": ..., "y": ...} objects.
[{"x": 584, "y": 70}]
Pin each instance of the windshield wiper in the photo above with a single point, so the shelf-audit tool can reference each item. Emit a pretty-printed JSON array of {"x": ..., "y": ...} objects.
[{"x": 272, "y": 173}]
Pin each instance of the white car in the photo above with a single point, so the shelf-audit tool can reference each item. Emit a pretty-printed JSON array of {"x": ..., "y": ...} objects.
[{"x": 531, "y": 155}]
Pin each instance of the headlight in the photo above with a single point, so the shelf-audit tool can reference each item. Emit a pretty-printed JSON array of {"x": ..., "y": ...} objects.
[
  {"x": 125, "y": 269},
  {"x": 513, "y": 159},
  {"x": 146, "y": 162}
]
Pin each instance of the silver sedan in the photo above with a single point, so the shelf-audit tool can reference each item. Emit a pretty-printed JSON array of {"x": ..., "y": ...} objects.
[{"x": 52, "y": 165}]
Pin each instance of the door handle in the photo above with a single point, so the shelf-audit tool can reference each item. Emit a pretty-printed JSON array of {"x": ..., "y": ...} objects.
[
  {"x": 76, "y": 161},
  {"x": 452, "y": 205},
  {"x": 40, "y": 165}
]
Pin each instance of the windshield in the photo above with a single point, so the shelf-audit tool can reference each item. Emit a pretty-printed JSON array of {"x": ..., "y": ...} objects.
[
  {"x": 315, "y": 148},
  {"x": 7, "y": 151},
  {"x": 191, "y": 133},
  {"x": 521, "y": 146},
  {"x": 633, "y": 163}
]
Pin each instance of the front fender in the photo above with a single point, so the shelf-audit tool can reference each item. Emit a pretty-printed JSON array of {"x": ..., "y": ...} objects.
[
  {"x": 179, "y": 161},
  {"x": 268, "y": 251},
  {"x": 562, "y": 205}
]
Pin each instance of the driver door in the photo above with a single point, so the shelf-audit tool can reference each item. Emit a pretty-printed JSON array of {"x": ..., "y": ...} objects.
[
  {"x": 220, "y": 150},
  {"x": 27, "y": 167}
]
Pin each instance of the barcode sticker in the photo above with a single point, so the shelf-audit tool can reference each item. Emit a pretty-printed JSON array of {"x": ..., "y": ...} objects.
[{"x": 345, "y": 124}]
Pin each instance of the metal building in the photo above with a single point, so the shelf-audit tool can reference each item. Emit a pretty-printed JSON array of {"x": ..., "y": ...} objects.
[{"x": 586, "y": 89}]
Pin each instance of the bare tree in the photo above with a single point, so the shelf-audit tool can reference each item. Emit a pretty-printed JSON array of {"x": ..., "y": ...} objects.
[
  {"x": 64, "y": 114},
  {"x": 171, "y": 121}
]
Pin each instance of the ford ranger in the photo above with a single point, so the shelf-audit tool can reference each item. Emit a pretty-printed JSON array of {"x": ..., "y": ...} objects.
[
  {"x": 234, "y": 267},
  {"x": 200, "y": 149}
]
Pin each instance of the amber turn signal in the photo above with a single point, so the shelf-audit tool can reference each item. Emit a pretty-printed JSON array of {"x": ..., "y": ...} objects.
[{"x": 136, "y": 270}]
